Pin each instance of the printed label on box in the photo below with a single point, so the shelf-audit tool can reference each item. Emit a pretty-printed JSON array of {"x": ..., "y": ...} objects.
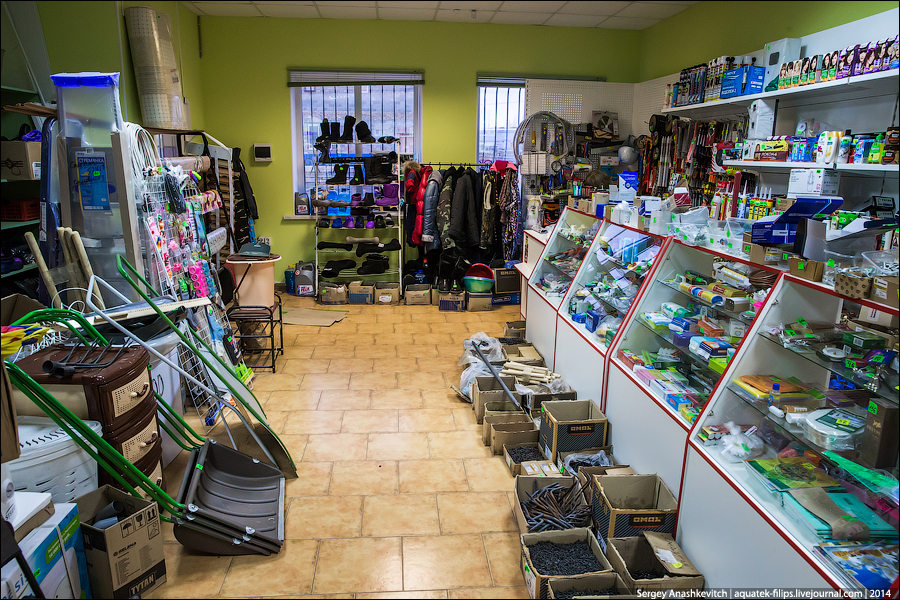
[{"x": 581, "y": 429}]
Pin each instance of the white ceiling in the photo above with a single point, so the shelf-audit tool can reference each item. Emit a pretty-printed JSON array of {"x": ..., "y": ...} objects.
[{"x": 608, "y": 15}]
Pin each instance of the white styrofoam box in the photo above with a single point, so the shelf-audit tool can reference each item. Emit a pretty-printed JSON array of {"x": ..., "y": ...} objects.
[{"x": 51, "y": 461}]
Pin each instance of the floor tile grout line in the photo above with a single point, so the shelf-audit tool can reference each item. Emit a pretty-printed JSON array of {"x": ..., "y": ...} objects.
[{"x": 487, "y": 559}]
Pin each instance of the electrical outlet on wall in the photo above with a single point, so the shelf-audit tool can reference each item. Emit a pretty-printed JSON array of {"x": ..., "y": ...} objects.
[{"x": 264, "y": 240}]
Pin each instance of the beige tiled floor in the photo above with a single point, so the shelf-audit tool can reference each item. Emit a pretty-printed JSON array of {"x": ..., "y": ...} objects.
[{"x": 396, "y": 497}]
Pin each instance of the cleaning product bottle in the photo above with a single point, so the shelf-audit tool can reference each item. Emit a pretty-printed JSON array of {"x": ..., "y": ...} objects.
[
  {"x": 877, "y": 150},
  {"x": 844, "y": 152},
  {"x": 831, "y": 145},
  {"x": 820, "y": 147}
]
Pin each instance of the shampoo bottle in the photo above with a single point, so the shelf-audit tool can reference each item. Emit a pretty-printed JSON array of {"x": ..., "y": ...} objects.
[
  {"x": 844, "y": 152},
  {"x": 877, "y": 150}
]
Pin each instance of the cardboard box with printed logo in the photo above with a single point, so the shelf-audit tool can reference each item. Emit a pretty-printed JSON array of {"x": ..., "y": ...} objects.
[
  {"x": 387, "y": 293},
  {"x": 362, "y": 292},
  {"x": 626, "y": 505},
  {"x": 571, "y": 425},
  {"x": 506, "y": 281},
  {"x": 537, "y": 583},
  {"x": 648, "y": 552},
  {"x": 418, "y": 293},
  {"x": 515, "y": 468},
  {"x": 479, "y": 302},
  {"x": 852, "y": 286},
  {"x": 885, "y": 290},
  {"x": 452, "y": 302}
]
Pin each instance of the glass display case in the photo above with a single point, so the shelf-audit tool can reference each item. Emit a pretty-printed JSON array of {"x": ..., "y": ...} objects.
[
  {"x": 803, "y": 430},
  {"x": 686, "y": 324},
  {"x": 553, "y": 274}
]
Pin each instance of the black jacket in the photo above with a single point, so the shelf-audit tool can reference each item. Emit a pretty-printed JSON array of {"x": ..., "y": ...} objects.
[{"x": 464, "y": 229}]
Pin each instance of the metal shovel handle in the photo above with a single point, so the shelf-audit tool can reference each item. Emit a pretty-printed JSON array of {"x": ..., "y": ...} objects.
[{"x": 496, "y": 376}]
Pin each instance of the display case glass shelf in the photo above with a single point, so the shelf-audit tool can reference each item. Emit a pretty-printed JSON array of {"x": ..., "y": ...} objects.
[
  {"x": 614, "y": 269},
  {"x": 563, "y": 255},
  {"x": 833, "y": 431}
]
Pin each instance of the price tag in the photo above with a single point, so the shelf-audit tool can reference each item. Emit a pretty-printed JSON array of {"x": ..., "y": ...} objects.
[
  {"x": 790, "y": 332},
  {"x": 878, "y": 359},
  {"x": 850, "y": 363},
  {"x": 785, "y": 256},
  {"x": 809, "y": 335},
  {"x": 842, "y": 421},
  {"x": 800, "y": 265},
  {"x": 873, "y": 407}
]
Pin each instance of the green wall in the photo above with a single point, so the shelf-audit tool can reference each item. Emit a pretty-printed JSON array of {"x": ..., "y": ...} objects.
[
  {"x": 714, "y": 29},
  {"x": 246, "y": 62},
  {"x": 84, "y": 36}
]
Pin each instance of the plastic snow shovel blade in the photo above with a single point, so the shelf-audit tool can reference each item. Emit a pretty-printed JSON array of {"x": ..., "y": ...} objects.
[
  {"x": 237, "y": 490},
  {"x": 201, "y": 539}
]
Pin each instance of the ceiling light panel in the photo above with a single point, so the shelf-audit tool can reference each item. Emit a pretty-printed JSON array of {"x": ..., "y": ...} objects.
[
  {"x": 602, "y": 9},
  {"x": 418, "y": 4},
  {"x": 519, "y": 18},
  {"x": 628, "y": 23},
  {"x": 537, "y": 7},
  {"x": 651, "y": 10},
  {"x": 464, "y": 16},
  {"x": 288, "y": 11},
  {"x": 479, "y": 6},
  {"x": 229, "y": 9},
  {"x": 347, "y": 12},
  {"x": 406, "y": 14},
  {"x": 561, "y": 20}
]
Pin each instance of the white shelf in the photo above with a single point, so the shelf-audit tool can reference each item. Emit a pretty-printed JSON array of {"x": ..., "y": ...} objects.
[
  {"x": 873, "y": 84},
  {"x": 764, "y": 165}
]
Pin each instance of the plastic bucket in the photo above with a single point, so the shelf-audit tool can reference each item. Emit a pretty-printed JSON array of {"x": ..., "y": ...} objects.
[{"x": 258, "y": 286}]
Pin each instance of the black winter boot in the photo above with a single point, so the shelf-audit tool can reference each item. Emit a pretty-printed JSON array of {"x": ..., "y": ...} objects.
[
  {"x": 335, "y": 132},
  {"x": 372, "y": 168},
  {"x": 364, "y": 133},
  {"x": 340, "y": 176},
  {"x": 326, "y": 131},
  {"x": 348, "y": 129},
  {"x": 358, "y": 176},
  {"x": 380, "y": 171}
]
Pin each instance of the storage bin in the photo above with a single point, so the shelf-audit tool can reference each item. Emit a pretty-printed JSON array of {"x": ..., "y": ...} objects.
[{"x": 20, "y": 210}]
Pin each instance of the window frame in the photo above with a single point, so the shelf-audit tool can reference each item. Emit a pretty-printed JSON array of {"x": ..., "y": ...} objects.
[{"x": 496, "y": 82}]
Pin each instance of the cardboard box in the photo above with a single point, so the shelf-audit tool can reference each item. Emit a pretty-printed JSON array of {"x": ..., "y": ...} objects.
[
  {"x": 20, "y": 160},
  {"x": 452, "y": 302},
  {"x": 585, "y": 476},
  {"x": 55, "y": 553},
  {"x": 524, "y": 353},
  {"x": 9, "y": 429},
  {"x": 514, "y": 329},
  {"x": 626, "y": 505},
  {"x": 499, "y": 407},
  {"x": 511, "y": 299},
  {"x": 589, "y": 582},
  {"x": 125, "y": 559},
  {"x": 782, "y": 229},
  {"x": 535, "y": 582},
  {"x": 514, "y": 467},
  {"x": 761, "y": 255},
  {"x": 362, "y": 292},
  {"x": 852, "y": 286},
  {"x": 487, "y": 389},
  {"x": 653, "y": 551},
  {"x": 387, "y": 293},
  {"x": 571, "y": 425},
  {"x": 533, "y": 402},
  {"x": 540, "y": 468},
  {"x": 813, "y": 182},
  {"x": 506, "y": 281},
  {"x": 503, "y": 434},
  {"x": 878, "y": 317},
  {"x": 480, "y": 302},
  {"x": 885, "y": 290},
  {"x": 526, "y": 485},
  {"x": 561, "y": 457},
  {"x": 890, "y": 334},
  {"x": 879, "y": 444},
  {"x": 334, "y": 295},
  {"x": 810, "y": 270},
  {"x": 435, "y": 298},
  {"x": 418, "y": 293},
  {"x": 498, "y": 418},
  {"x": 16, "y": 306}
]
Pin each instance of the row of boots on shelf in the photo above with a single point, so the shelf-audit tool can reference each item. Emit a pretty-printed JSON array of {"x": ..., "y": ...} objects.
[
  {"x": 375, "y": 170},
  {"x": 389, "y": 197},
  {"x": 331, "y": 132},
  {"x": 358, "y": 222},
  {"x": 374, "y": 264}
]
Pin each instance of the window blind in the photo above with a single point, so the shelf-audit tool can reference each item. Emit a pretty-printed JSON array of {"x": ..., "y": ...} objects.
[{"x": 301, "y": 78}]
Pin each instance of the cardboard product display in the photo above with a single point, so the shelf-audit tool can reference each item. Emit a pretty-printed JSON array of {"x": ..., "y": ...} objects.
[
  {"x": 526, "y": 485},
  {"x": 9, "y": 428},
  {"x": 20, "y": 160},
  {"x": 512, "y": 433},
  {"x": 627, "y": 505},
  {"x": 418, "y": 293},
  {"x": 561, "y": 456},
  {"x": 590, "y": 582},
  {"x": 387, "y": 293},
  {"x": 452, "y": 302},
  {"x": 879, "y": 444},
  {"x": 885, "y": 290},
  {"x": 514, "y": 467},
  {"x": 55, "y": 553},
  {"x": 506, "y": 281},
  {"x": 480, "y": 302},
  {"x": 501, "y": 418},
  {"x": 652, "y": 551},
  {"x": 514, "y": 329},
  {"x": 572, "y": 425},
  {"x": 810, "y": 270},
  {"x": 334, "y": 295},
  {"x": 127, "y": 558},
  {"x": 537, "y": 583},
  {"x": 851, "y": 286},
  {"x": 362, "y": 292},
  {"x": 486, "y": 389}
]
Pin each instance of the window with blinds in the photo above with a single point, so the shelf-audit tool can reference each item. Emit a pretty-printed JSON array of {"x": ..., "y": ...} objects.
[
  {"x": 388, "y": 102},
  {"x": 501, "y": 107}
]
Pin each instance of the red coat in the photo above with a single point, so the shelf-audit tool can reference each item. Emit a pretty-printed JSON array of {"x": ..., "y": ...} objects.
[{"x": 415, "y": 192}]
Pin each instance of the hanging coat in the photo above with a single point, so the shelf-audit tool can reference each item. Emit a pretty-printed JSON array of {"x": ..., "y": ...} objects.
[
  {"x": 445, "y": 204},
  {"x": 430, "y": 234},
  {"x": 424, "y": 174}
]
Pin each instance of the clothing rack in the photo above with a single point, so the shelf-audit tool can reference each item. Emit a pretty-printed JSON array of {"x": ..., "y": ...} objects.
[{"x": 455, "y": 164}]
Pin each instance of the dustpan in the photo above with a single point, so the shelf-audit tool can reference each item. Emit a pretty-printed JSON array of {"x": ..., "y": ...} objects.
[{"x": 219, "y": 518}]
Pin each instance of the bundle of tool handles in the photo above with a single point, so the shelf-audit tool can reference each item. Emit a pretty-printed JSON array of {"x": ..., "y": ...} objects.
[
  {"x": 554, "y": 507},
  {"x": 528, "y": 374}
]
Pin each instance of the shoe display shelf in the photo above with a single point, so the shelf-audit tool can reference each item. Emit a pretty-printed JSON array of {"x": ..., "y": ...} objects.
[
  {"x": 774, "y": 539},
  {"x": 615, "y": 268},
  {"x": 357, "y": 154},
  {"x": 637, "y": 403},
  {"x": 553, "y": 273}
]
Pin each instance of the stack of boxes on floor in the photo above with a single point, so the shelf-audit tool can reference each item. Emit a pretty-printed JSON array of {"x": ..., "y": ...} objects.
[{"x": 589, "y": 526}]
